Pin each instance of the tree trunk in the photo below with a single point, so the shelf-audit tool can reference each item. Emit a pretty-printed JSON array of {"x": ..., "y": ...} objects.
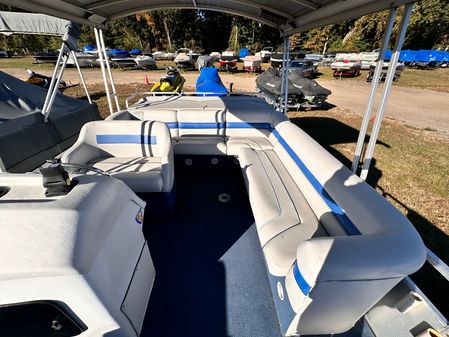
[{"x": 167, "y": 33}]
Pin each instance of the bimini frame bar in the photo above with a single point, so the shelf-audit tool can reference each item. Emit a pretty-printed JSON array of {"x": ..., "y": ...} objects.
[
  {"x": 60, "y": 66},
  {"x": 106, "y": 67},
  {"x": 283, "y": 100},
  {"x": 386, "y": 90},
  {"x": 374, "y": 85}
]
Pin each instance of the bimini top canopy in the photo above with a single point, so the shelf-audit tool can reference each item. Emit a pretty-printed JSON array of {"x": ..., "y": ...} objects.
[
  {"x": 290, "y": 16},
  {"x": 39, "y": 24}
]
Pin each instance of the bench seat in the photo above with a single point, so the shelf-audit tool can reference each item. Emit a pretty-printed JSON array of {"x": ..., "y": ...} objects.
[
  {"x": 284, "y": 219},
  {"x": 234, "y": 144}
]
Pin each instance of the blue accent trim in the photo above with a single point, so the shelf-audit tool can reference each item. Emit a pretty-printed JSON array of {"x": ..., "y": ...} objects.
[
  {"x": 126, "y": 139},
  {"x": 339, "y": 213},
  {"x": 249, "y": 125},
  {"x": 172, "y": 125},
  {"x": 300, "y": 280},
  {"x": 201, "y": 125}
]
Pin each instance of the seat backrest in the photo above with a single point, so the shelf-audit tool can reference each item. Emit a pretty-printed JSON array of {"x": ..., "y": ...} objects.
[
  {"x": 167, "y": 116},
  {"x": 128, "y": 138},
  {"x": 206, "y": 122}
]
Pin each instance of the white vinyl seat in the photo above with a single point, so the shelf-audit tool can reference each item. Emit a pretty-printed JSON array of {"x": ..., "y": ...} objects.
[
  {"x": 137, "y": 152},
  {"x": 332, "y": 244},
  {"x": 234, "y": 144}
]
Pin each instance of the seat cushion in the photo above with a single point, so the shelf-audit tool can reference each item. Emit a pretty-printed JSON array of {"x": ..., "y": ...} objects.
[
  {"x": 283, "y": 217},
  {"x": 234, "y": 144},
  {"x": 141, "y": 174}
]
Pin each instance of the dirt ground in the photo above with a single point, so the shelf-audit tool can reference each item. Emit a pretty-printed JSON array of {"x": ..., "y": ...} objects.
[{"x": 421, "y": 108}]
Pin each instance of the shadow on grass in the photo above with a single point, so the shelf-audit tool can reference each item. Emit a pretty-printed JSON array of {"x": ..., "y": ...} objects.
[
  {"x": 95, "y": 95},
  {"x": 328, "y": 131},
  {"x": 427, "y": 278}
]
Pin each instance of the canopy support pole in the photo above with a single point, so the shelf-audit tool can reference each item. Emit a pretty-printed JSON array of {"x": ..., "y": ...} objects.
[
  {"x": 55, "y": 80},
  {"x": 103, "y": 70},
  {"x": 287, "y": 64},
  {"x": 81, "y": 75},
  {"x": 281, "y": 98},
  {"x": 108, "y": 67},
  {"x": 386, "y": 91},
  {"x": 374, "y": 85}
]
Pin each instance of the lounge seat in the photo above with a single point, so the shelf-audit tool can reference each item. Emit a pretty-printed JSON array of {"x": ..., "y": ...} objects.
[
  {"x": 139, "y": 153},
  {"x": 333, "y": 245},
  {"x": 339, "y": 234},
  {"x": 283, "y": 217}
]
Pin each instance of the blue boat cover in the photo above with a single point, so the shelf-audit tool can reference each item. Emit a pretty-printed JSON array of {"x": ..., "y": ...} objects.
[
  {"x": 210, "y": 82},
  {"x": 243, "y": 53},
  {"x": 136, "y": 52},
  {"x": 119, "y": 53},
  {"x": 90, "y": 48},
  {"x": 424, "y": 56}
]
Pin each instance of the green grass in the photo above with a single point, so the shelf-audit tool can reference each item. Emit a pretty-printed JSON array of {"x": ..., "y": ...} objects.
[
  {"x": 22, "y": 62},
  {"x": 437, "y": 79}
]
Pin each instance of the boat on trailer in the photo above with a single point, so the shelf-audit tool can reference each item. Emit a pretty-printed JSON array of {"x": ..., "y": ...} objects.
[
  {"x": 199, "y": 215},
  {"x": 346, "y": 65}
]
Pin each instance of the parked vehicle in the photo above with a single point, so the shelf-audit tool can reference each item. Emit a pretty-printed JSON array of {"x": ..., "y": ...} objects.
[
  {"x": 303, "y": 67},
  {"x": 302, "y": 92},
  {"x": 173, "y": 82},
  {"x": 367, "y": 59},
  {"x": 122, "y": 59},
  {"x": 276, "y": 60},
  {"x": 317, "y": 59},
  {"x": 209, "y": 82},
  {"x": 265, "y": 54},
  {"x": 50, "y": 56},
  {"x": 228, "y": 61},
  {"x": 145, "y": 62},
  {"x": 84, "y": 59},
  {"x": 252, "y": 64},
  {"x": 184, "y": 59},
  {"x": 346, "y": 65},
  {"x": 397, "y": 74},
  {"x": 215, "y": 55},
  {"x": 44, "y": 81},
  {"x": 204, "y": 61}
]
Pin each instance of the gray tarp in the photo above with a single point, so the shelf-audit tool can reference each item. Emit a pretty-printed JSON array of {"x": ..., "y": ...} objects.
[
  {"x": 39, "y": 24},
  {"x": 25, "y": 140}
]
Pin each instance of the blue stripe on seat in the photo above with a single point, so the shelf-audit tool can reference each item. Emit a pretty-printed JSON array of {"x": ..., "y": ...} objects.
[
  {"x": 126, "y": 139},
  {"x": 201, "y": 125},
  {"x": 172, "y": 125},
  {"x": 339, "y": 213},
  {"x": 248, "y": 125},
  {"x": 300, "y": 280}
]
